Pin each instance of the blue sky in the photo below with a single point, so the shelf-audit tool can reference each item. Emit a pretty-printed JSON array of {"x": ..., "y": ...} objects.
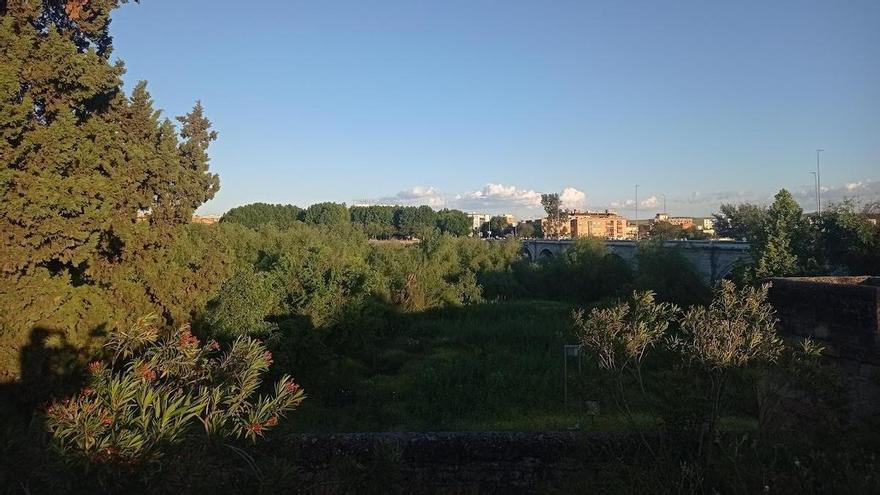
[{"x": 482, "y": 105}]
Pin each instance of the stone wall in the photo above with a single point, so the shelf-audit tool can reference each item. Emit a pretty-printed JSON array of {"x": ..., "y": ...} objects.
[
  {"x": 472, "y": 462},
  {"x": 843, "y": 314}
]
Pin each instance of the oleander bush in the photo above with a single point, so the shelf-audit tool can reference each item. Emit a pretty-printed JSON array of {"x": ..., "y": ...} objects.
[{"x": 158, "y": 391}]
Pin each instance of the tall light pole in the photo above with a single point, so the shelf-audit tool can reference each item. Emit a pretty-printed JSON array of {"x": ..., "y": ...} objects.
[
  {"x": 637, "y": 213},
  {"x": 664, "y": 204},
  {"x": 818, "y": 184}
]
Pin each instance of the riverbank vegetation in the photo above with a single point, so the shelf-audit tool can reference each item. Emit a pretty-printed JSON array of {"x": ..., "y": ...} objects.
[{"x": 139, "y": 351}]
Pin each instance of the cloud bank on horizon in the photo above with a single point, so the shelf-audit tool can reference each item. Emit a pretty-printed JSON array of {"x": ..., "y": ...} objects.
[{"x": 496, "y": 198}]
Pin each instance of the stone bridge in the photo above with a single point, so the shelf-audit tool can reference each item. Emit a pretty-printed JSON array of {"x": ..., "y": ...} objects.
[{"x": 713, "y": 260}]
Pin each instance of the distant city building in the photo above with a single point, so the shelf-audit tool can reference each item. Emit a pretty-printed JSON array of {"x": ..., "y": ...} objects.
[
  {"x": 478, "y": 219},
  {"x": 683, "y": 222},
  {"x": 631, "y": 229},
  {"x": 705, "y": 225},
  {"x": 207, "y": 219},
  {"x": 643, "y": 227},
  {"x": 605, "y": 224}
]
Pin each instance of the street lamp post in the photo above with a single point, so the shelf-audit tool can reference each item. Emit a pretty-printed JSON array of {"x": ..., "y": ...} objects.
[
  {"x": 818, "y": 184},
  {"x": 637, "y": 213}
]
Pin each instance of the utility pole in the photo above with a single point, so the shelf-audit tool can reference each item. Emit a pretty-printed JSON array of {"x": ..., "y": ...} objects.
[
  {"x": 637, "y": 213},
  {"x": 818, "y": 184}
]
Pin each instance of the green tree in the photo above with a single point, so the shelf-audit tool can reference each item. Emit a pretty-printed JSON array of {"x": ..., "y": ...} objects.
[
  {"x": 666, "y": 231},
  {"x": 415, "y": 221},
  {"x": 255, "y": 215},
  {"x": 784, "y": 249},
  {"x": 81, "y": 162},
  {"x": 453, "y": 222},
  {"x": 666, "y": 272},
  {"x": 742, "y": 221},
  {"x": 377, "y": 221},
  {"x": 327, "y": 214},
  {"x": 498, "y": 226},
  {"x": 849, "y": 241},
  {"x": 556, "y": 225},
  {"x": 243, "y": 304},
  {"x": 526, "y": 230}
]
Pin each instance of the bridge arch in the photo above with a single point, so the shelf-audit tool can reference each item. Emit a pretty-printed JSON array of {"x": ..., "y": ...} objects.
[
  {"x": 725, "y": 271},
  {"x": 545, "y": 254}
]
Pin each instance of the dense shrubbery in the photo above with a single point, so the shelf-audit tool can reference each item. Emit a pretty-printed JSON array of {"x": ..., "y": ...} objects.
[
  {"x": 705, "y": 363},
  {"x": 666, "y": 272}
]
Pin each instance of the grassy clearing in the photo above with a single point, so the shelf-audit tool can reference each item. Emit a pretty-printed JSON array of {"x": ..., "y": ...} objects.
[
  {"x": 486, "y": 366},
  {"x": 495, "y": 366}
]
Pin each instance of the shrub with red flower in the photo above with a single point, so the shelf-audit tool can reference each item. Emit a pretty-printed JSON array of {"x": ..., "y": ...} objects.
[
  {"x": 157, "y": 392},
  {"x": 145, "y": 372},
  {"x": 187, "y": 339}
]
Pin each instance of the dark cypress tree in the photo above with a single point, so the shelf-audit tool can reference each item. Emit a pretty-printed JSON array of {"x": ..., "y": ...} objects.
[{"x": 80, "y": 163}]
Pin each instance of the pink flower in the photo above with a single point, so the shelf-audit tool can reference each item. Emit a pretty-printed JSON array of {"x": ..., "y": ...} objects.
[
  {"x": 95, "y": 367},
  {"x": 291, "y": 387},
  {"x": 187, "y": 339},
  {"x": 267, "y": 356},
  {"x": 272, "y": 421},
  {"x": 214, "y": 345},
  {"x": 145, "y": 372}
]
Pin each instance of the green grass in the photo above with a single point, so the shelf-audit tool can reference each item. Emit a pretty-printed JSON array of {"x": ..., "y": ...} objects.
[{"x": 484, "y": 367}]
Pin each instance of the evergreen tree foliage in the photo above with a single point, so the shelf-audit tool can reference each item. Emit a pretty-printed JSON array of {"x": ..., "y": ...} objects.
[
  {"x": 327, "y": 214},
  {"x": 81, "y": 163},
  {"x": 784, "y": 249},
  {"x": 255, "y": 215}
]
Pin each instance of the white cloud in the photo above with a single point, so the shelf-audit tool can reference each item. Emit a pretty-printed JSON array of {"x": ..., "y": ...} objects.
[
  {"x": 493, "y": 198},
  {"x": 623, "y": 205},
  {"x": 573, "y": 199},
  {"x": 498, "y": 198},
  {"x": 861, "y": 191},
  {"x": 414, "y": 196},
  {"x": 853, "y": 186}
]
